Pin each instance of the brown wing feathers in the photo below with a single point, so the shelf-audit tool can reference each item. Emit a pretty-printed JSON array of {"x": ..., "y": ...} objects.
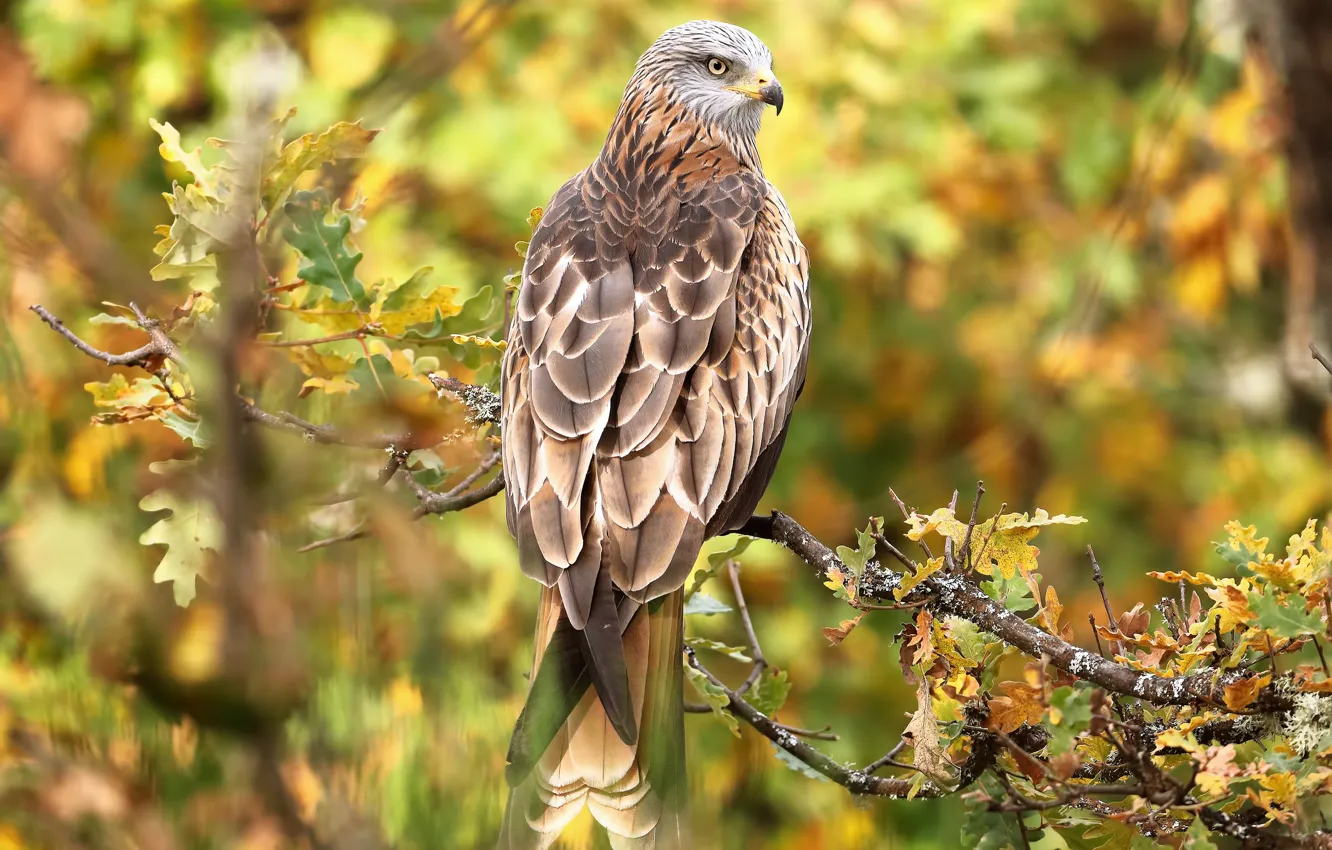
[{"x": 656, "y": 351}]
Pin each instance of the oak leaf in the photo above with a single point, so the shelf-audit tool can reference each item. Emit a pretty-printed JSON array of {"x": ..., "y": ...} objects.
[
  {"x": 1240, "y": 694},
  {"x": 837, "y": 634}
]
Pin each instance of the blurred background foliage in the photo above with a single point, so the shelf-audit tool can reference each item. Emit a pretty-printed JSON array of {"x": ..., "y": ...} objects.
[{"x": 1049, "y": 250}]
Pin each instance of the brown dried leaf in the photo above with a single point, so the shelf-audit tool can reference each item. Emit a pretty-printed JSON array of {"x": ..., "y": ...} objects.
[
  {"x": 923, "y": 730},
  {"x": 1021, "y": 704},
  {"x": 1100, "y": 709},
  {"x": 1134, "y": 622},
  {"x": 837, "y": 634},
  {"x": 1065, "y": 764},
  {"x": 1053, "y": 610},
  {"x": 1239, "y": 695},
  {"x": 1216, "y": 767},
  {"x": 1027, "y": 763},
  {"x": 923, "y": 640}
]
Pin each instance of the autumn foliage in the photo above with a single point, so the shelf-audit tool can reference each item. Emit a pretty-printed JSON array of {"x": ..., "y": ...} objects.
[{"x": 1062, "y": 264}]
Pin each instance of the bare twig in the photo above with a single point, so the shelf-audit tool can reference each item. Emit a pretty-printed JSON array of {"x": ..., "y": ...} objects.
[
  {"x": 160, "y": 346},
  {"x": 856, "y": 781},
  {"x": 472, "y": 477},
  {"x": 949, "y": 563},
  {"x": 824, "y": 734},
  {"x": 906, "y": 514},
  {"x": 1319, "y": 647},
  {"x": 895, "y": 552},
  {"x": 1118, "y": 646},
  {"x": 756, "y": 651},
  {"x": 289, "y": 422},
  {"x": 889, "y": 758},
  {"x": 1320, "y": 357},
  {"x": 965, "y": 554},
  {"x": 355, "y": 534},
  {"x": 359, "y": 333}
]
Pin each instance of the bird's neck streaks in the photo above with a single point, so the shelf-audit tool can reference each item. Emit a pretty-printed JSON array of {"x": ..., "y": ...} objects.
[{"x": 654, "y": 134}]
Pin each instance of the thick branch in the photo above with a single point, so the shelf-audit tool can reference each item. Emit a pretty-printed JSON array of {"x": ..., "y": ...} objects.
[
  {"x": 953, "y": 594},
  {"x": 963, "y": 599},
  {"x": 483, "y": 406},
  {"x": 443, "y": 503}
]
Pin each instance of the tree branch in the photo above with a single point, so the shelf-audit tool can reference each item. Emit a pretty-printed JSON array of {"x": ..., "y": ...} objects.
[
  {"x": 160, "y": 345},
  {"x": 856, "y": 781},
  {"x": 952, "y": 594}
]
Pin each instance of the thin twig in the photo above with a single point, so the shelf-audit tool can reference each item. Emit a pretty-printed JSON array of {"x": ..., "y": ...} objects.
[
  {"x": 284, "y": 421},
  {"x": 141, "y": 356},
  {"x": 1118, "y": 646},
  {"x": 755, "y": 651},
  {"x": 889, "y": 758},
  {"x": 1022, "y": 831},
  {"x": 824, "y": 734},
  {"x": 475, "y": 475},
  {"x": 965, "y": 554},
  {"x": 1320, "y": 357},
  {"x": 1003, "y": 506},
  {"x": 856, "y": 781},
  {"x": 359, "y": 333},
  {"x": 1100, "y": 650},
  {"x": 355, "y": 534},
  {"x": 949, "y": 563},
  {"x": 906, "y": 514},
  {"x": 895, "y": 552},
  {"x": 1318, "y": 646}
]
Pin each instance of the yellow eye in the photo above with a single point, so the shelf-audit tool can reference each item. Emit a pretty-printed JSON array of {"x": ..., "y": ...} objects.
[{"x": 717, "y": 67}]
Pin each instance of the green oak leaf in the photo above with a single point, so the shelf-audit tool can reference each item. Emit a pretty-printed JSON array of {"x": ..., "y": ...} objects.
[
  {"x": 701, "y": 603},
  {"x": 714, "y": 696},
  {"x": 770, "y": 691},
  {"x": 1012, "y": 591},
  {"x": 189, "y": 246},
  {"x": 797, "y": 765},
  {"x": 1289, "y": 620},
  {"x": 187, "y": 427},
  {"x": 715, "y": 562},
  {"x": 735, "y": 652},
  {"x": 1070, "y": 715},
  {"x": 326, "y": 260}
]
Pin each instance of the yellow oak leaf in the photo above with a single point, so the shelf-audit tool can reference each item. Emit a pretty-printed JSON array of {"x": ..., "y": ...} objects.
[
  {"x": 1020, "y": 704},
  {"x": 1232, "y": 603},
  {"x": 1239, "y": 695},
  {"x": 910, "y": 580}
]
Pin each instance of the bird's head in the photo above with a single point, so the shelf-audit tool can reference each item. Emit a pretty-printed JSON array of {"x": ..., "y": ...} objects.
[{"x": 720, "y": 72}]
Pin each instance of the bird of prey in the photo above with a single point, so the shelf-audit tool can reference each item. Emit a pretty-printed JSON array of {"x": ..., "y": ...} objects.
[{"x": 658, "y": 344}]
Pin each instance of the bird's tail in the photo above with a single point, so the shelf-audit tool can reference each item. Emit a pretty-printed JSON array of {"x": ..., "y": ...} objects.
[{"x": 566, "y": 754}]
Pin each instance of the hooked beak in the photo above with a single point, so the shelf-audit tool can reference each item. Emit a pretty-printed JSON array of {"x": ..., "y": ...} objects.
[{"x": 763, "y": 87}]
